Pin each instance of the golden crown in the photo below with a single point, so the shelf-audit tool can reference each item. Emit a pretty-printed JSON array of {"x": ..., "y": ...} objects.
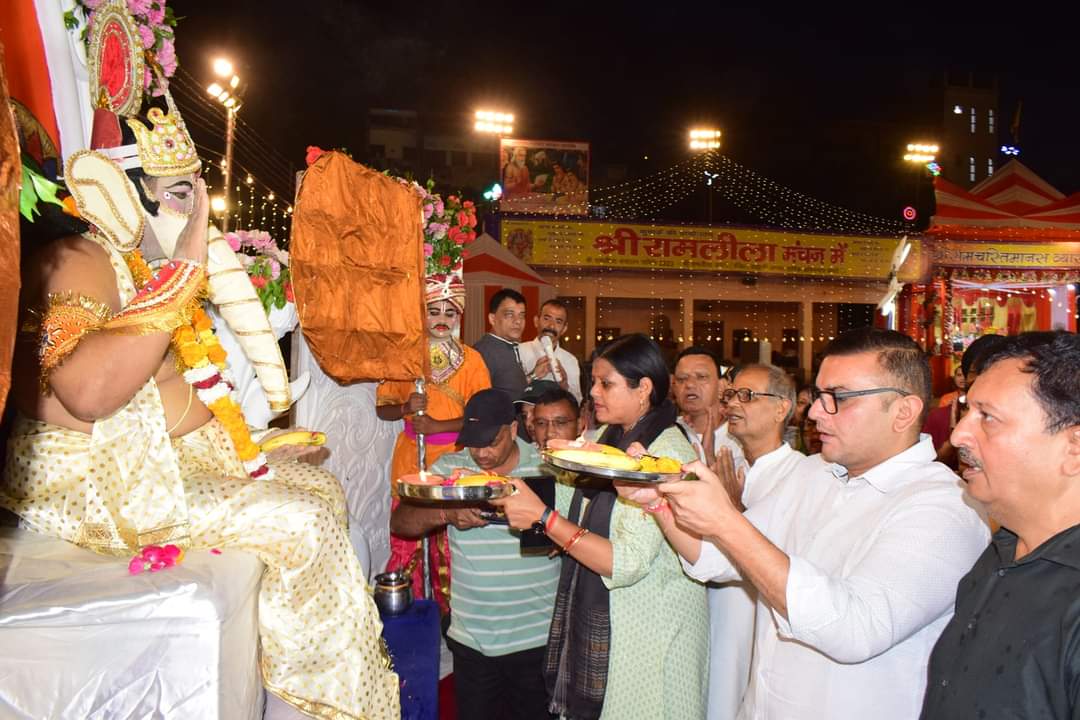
[{"x": 165, "y": 150}]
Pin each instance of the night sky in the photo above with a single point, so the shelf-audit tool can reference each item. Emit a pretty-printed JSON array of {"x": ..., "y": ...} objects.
[{"x": 818, "y": 100}]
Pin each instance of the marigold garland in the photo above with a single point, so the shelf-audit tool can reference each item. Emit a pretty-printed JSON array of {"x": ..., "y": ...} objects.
[{"x": 204, "y": 365}]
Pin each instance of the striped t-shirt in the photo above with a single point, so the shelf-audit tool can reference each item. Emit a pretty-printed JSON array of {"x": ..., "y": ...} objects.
[{"x": 500, "y": 601}]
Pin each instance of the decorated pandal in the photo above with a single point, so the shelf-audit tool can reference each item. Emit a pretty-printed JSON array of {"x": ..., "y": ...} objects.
[
  {"x": 1005, "y": 259},
  {"x": 179, "y": 532}
]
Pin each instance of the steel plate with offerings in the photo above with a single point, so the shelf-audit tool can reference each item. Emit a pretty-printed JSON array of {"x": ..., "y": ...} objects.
[
  {"x": 459, "y": 487},
  {"x": 606, "y": 461}
]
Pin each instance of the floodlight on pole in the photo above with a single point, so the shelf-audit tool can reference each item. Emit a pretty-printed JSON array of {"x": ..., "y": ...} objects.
[
  {"x": 921, "y": 153},
  {"x": 705, "y": 139},
  {"x": 494, "y": 122}
]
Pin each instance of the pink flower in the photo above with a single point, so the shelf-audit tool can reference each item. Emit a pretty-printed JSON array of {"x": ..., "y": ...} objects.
[
  {"x": 428, "y": 210},
  {"x": 139, "y": 7},
  {"x": 453, "y": 199},
  {"x": 438, "y": 230},
  {"x": 155, "y": 558},
  {"x": 275, "y": 269},
  {"x": 468, "y": 204},
  {"x": 233, "y": 240},
  {"x": 428, "y": 249},
  {"x": 166, "y": 54},
  {"x": 156, "y": 15},
  {"x": 148, "y": 78},
  {"x": 215, "y": 551},
  {"x": 313, "y": 154},
  {"x": 147, "y": 36},
  {"x": 439, "y": 207}
]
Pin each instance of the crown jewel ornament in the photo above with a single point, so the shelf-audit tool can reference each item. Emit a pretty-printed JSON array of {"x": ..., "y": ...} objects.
[{"x": 166, "y": 150}]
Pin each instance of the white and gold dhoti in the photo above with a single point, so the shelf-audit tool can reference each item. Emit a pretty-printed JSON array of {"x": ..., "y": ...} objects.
[{"x": 127, "y": 485}]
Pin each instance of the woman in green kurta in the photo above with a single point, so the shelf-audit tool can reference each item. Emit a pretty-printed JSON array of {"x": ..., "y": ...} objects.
[{"x": 629, "y": 636}]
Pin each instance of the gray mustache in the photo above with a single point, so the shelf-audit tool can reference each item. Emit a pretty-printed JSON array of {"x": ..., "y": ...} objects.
[{"x": 968, "y": 459}]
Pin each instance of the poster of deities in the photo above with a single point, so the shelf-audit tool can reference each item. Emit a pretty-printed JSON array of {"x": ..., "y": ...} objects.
[{"x": 545, "y": 176}]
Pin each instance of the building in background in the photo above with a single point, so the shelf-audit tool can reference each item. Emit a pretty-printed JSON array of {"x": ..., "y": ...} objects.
[{"x": 971, "y": 128}]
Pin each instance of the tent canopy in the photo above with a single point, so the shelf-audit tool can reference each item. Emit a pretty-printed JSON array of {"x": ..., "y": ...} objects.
[
  {"x": 489, "y": 268},
  {"x": 1013, "y": 203}
]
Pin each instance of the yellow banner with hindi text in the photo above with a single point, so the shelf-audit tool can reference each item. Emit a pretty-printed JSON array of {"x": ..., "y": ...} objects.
[{"x": 552, "y": 242}]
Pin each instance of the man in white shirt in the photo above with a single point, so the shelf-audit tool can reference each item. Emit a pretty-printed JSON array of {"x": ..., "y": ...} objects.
[
  {"x": 551, "y": 323},
  {"x": 759, "y": 405},
  {"x": 856, "y": 557}
]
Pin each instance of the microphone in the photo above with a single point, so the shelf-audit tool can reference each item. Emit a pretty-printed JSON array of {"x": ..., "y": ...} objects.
[{"x": 549, "y": 350}]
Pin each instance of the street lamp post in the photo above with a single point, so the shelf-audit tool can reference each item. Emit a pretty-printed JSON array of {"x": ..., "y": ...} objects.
[
  {"x": 227, "y": 97},
  {"x": 499, "y": 124},
  {"x": 706, "y": 140},
  {"x": 920, "y": 155}
]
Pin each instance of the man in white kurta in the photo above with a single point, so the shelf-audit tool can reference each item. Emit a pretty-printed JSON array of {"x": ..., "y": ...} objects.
[
  {"x": 758, "y": 426},
  {"x": 551, "y": 322},
  {"x": 856, "y": 555}
]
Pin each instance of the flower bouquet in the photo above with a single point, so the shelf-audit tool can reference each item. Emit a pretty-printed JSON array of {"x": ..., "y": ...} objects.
[
  {"x": 449, "y": 226},
  {"x": 267, "y": 265}
]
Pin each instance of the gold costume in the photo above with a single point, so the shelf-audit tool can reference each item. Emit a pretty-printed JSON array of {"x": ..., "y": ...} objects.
[{"x": 127, "y": 484}]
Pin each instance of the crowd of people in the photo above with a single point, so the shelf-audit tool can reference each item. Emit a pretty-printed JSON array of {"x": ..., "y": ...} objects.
[{"x": 826, "y": 562}]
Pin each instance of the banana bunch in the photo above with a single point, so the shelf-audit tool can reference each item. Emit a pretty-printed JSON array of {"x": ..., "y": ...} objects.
[{"x": 294, "y": 437}]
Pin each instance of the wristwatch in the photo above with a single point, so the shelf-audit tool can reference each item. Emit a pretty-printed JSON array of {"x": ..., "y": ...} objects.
[{"x": 540, "y": 525}]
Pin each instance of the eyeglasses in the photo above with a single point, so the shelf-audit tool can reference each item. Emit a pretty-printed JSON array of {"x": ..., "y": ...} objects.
[
  {"x": 556, "y": 423},
  {"x": 745, "y": 395},
  {"x": 830, "y": 399}
]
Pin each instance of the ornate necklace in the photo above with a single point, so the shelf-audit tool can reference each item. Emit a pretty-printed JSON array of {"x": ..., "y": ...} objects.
[{"x": 204, "y": 365}]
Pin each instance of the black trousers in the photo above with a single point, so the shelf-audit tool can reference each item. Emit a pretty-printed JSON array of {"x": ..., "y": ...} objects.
[{"x": 507, "y": 687}]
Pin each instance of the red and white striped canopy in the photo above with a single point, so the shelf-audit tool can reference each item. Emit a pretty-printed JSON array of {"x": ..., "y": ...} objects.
[{"x": 1013, "y": 203}]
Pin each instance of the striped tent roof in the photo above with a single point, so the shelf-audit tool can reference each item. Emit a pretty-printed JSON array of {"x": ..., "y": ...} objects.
[{"x": 1013, "y": 203}]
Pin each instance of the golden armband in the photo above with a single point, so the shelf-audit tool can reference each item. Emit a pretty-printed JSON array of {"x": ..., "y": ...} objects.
[
  {"x": 165, "y": 303},
  {"x": 67, "y": 319}
]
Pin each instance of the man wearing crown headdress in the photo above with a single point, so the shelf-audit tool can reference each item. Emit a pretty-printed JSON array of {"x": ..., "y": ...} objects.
[
  {"x": 128, "y": 434},
  {"x": 457, "y": 372}
]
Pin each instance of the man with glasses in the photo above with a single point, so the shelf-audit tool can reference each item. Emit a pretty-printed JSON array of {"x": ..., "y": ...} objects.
[
  {"x": 556, "y": 416},
  {"x": 759, "y": 405},
  {"x": 855, "y": 557}
]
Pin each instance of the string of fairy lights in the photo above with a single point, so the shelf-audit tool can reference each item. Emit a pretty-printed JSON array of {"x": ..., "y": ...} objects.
[
  {"x": 764, "y": 312},
  {"x": 263, "y": 180},
  {"x": 262, "y": 177}
]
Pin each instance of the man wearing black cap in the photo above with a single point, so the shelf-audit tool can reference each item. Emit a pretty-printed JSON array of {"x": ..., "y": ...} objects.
[{"x": 501, "y": 602}]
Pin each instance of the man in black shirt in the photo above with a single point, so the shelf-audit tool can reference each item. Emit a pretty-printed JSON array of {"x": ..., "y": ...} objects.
[
  {"x": 1012, "y": 649},
  {"x": 499, "y": 348}
]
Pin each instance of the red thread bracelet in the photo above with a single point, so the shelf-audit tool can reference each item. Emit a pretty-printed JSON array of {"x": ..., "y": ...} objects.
[{"x": 551, "y": 521}]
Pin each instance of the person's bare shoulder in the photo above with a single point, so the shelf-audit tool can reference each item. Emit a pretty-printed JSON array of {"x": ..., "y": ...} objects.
[{"x": 75, "y": 265}]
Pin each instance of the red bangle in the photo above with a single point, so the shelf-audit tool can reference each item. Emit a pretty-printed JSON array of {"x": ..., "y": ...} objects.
[
  {"x": 573, "y": 540},
  {"x": 551, "y": 521}
]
